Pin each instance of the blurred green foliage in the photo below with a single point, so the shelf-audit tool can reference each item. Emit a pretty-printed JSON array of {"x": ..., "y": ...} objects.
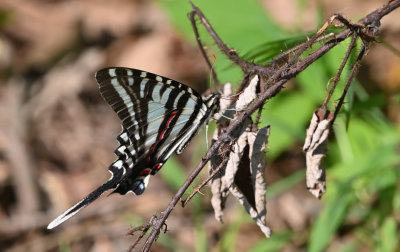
[
  {"x": 363, "y": 200},
  {"x": 5, "y": 17}
]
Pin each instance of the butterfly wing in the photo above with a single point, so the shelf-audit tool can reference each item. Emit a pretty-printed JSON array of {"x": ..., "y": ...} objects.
[
  {"x": 156, "y": 113},
  {"x": 158, "y": 117}
]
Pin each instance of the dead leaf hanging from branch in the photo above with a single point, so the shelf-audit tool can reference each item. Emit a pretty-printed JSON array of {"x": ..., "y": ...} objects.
[{"x": 315, "y": 149}]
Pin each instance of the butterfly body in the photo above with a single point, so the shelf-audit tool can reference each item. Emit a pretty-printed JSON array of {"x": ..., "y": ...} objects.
[{"x": 159, "y": 117}]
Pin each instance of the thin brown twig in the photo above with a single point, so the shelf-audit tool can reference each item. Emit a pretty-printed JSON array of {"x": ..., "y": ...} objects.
[
  {"x": 201, "y": 47},
  {"x": 302, "y": 48},
  {"x": 353, "y": 73},
  {"x": 339, "y": 73},
  {"x": 197, "y": 189},
  {"x": 230, "y": 53},
  {"x": 229, "y": 134},
  {"x": 143, "y": 228},
  {"x": 257, "y": 120}
]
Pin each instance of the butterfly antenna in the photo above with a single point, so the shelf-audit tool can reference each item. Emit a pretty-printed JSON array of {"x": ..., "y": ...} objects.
[
  {"x": 211, "y": 71},
  {"x": 226, "y": 117}
]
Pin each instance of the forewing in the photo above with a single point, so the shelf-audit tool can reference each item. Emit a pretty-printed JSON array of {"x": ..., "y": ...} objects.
[{"x": 156, "y": 113}]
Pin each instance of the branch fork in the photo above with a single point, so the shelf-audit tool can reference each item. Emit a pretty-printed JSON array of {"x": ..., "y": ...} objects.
[{"x": 272, "y": 78}]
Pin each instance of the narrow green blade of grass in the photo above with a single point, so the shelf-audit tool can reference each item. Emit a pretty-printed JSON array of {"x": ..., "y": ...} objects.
[
  {"x": 389, "y": 235},
  {"x": 330, "y": 218},
  {"x": 200, "y": 236},
  {"x": 229, "y": 236},
  {"x": 276, "y": 243}
]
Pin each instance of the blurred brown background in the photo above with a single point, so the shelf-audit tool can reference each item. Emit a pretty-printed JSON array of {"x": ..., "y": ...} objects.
[{"x": 57, "y": 135}]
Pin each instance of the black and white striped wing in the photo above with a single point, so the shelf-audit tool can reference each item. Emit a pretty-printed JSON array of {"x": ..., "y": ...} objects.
[
  {"x": 159, "y": 116},
  {"x": 154, "y": 111}
]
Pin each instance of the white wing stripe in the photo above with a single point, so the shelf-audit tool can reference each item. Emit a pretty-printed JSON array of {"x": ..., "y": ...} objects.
[{"x": 125, "y": 98}]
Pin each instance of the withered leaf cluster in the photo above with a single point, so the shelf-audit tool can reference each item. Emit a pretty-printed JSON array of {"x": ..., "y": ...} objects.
[{"x": 243, "y": 175}]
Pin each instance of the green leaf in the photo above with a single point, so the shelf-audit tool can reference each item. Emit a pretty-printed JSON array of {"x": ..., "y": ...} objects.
[
  {"x": 247, "y": 23},
  {"x": 389, "y": 236},
  {"x": 330, "y": 219},
  {"x": 385, "y": 207},
  {"x": 313, "y": 82},
  {"x": 229, "y": 236},
  {"x": 375, "y": 113},
  {"x": 364, "y": 148},
  {"x": 276, "y": 243},
  {"x": 200, "y": 236},
  {"x": 173, "y": 173},
  {"x": 285, "y": 113},
  {"x": 349, "y": 246}
]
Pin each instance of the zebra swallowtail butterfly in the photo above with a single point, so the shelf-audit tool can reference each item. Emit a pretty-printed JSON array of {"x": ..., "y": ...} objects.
[{"x": 159, "y": 116}]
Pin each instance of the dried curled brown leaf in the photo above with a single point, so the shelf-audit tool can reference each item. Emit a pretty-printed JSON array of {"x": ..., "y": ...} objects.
[
  {"x": 243, "y": 177},
  {"x": 315, "y": 149}
]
